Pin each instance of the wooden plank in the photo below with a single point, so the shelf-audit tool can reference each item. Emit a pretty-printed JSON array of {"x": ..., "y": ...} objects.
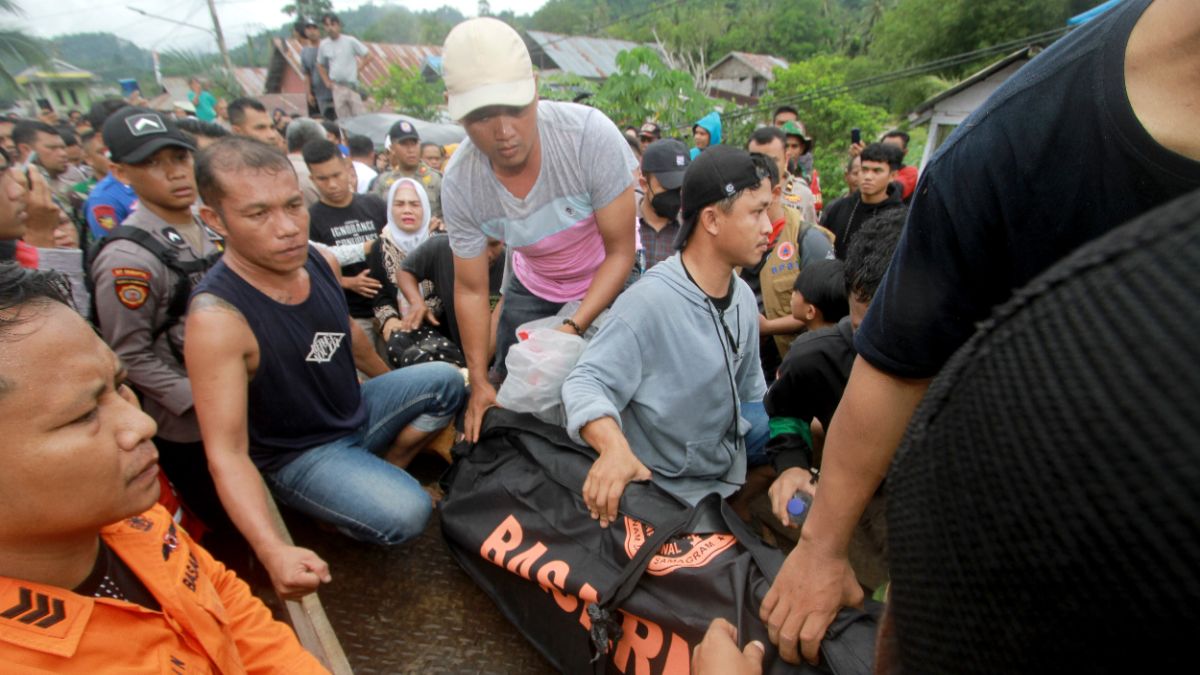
[{"x": 308, "y": 617}]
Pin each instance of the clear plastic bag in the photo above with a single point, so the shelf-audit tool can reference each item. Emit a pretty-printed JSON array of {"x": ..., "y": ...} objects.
[{"x": 537, "y": 367}]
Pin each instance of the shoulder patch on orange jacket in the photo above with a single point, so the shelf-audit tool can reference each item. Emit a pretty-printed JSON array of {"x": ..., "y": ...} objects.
[{"x": 42, "y": 618}]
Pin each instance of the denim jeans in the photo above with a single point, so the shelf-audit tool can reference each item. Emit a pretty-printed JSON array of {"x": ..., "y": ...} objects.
[
  {"x": 347, "y": 483},
  {"x": 759, "y": 434},
  {"x": 520, "y": 306}
]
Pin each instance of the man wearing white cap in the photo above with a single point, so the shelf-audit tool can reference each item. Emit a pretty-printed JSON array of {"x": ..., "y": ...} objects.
[{"x": 552, "y": 180}]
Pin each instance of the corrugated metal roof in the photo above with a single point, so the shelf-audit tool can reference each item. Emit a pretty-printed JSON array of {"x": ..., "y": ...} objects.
[
  {"x": 252, "y": 80},
  {"x": 590, "y": 57},
  {"x": 763, "y": 64},
  {"x": 406, "y": 56}
]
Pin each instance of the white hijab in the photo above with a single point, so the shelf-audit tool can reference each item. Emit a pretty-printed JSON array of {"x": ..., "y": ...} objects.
[{"x": 407, "y": 241}]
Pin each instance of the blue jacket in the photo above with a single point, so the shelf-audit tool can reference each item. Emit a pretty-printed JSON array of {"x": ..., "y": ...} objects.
[
  {"x": 663, "y": 368},
  {"x": 108, "y": 205},
  {"x": 712, "y": 124}
]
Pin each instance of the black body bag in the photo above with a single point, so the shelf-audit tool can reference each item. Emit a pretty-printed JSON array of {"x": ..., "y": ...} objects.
[{"x": 636, "y": 597}]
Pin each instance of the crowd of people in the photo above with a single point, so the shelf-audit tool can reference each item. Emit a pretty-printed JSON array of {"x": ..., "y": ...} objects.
[{"x": 246, "y": 276}]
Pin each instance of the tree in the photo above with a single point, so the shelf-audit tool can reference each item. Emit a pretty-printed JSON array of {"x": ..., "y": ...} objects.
[
  {"x": 398, "y": 26},
  {"x": 828, "y": 115},
  {"x": 312, "y": 9},
  {"x": 16, "y": 45},
  {"x": 645, "y": 88},
  {"x": 918, "y": 31},
  {"x": 408, "y": 93},
  {"x": 180, "y": 63}
]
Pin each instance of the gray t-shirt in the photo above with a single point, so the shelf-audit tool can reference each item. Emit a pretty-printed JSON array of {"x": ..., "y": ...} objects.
[
  {"x": 552, "y": 232},
  {"x": 308, "y": 62},
  {"x": 340, "y": 58}
]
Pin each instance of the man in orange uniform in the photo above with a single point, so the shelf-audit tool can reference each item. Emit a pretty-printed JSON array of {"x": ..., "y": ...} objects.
[{"x": 90, "y": 580}]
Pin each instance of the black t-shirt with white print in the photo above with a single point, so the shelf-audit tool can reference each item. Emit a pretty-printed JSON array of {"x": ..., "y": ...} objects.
[{"x": 360, "y": 221}]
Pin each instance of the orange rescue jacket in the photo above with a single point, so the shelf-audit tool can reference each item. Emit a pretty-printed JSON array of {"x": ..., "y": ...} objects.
[{"x": 209, "y": 623}]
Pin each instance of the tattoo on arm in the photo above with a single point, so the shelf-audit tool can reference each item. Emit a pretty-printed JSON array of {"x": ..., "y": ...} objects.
[{"x": 209, "y": 302}]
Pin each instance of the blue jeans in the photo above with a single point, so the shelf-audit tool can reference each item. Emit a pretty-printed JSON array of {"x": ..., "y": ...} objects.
[
  {"x": 759, "y": 434},
  {"x": 520, "y": 306},
  {"x": 348, "y": 484}
]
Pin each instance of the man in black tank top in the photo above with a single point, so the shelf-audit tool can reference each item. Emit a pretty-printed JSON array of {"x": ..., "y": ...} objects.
[{"x": 272, "y": 353}]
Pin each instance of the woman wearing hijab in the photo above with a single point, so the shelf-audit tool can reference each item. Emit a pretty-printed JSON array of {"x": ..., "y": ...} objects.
[{"x": 407, "y": 227}]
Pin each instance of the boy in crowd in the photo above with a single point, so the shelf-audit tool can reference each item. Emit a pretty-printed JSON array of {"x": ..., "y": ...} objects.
[
  {"x": 663, "y": 164},
  {"x": 433, "y": 156},
  {"x": 345, "y": 218},
  {"x": 877, "y": 192},
  {"x": 819, "y": 295},
  {"x": 810, "y": 385}
]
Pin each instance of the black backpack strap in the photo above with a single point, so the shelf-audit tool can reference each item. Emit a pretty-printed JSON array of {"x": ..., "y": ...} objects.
[
  {"x": 177, "y": 305},
  {"x": 603, "y": 614}
]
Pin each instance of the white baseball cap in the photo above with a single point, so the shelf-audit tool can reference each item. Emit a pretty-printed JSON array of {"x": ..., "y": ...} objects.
[{"x": 485, "y": 63}]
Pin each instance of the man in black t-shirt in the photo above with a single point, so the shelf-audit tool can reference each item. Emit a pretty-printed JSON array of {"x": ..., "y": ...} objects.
[
  {"x": 1095, "y": 130},
  {"x": 343, "y": 217},
  {"x": 434, "y": 261},
  {"x": 877, "y": 192}
]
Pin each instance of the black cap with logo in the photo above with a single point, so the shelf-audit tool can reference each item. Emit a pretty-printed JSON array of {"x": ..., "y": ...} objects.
[
  {"x": 720, "y": 171},
  {"x": 666, "y": 160},
  {"x": 134, "y": 134}
]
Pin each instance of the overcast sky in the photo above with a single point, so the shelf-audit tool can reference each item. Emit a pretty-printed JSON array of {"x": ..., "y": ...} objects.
[{"x": 238, "y": 18}]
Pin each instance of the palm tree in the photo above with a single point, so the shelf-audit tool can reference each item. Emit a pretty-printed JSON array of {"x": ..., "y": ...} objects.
[{"x": 15, "y": 44}]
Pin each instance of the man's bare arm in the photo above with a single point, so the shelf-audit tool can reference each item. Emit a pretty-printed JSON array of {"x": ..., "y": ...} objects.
[
  {"x": 609, "y": 475},
  {"x": 615, "y": 222},
  {"x": 816, "y": 580},
  {"x": 783, "y": 325},
  {"x": 494, "y": 328},
  {"x": 366, "y": 359},
  {"x": 418, "y": 312},
  {"x": 471, "y": 311},
  {"x": 219, "y": 349}
]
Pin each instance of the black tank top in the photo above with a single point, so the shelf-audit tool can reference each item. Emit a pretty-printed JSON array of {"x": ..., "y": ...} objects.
[{"x": 305, "y": 392}]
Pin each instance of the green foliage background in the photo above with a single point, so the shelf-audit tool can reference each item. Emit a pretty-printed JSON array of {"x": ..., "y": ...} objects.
[{"x": 832, "y": 45}]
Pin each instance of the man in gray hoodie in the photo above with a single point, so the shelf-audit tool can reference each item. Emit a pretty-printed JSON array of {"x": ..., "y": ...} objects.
[{"x": 659, "y": 391}]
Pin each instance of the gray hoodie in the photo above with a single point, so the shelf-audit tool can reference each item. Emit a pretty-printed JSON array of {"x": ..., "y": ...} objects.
[{"x": 661, "y": 365}]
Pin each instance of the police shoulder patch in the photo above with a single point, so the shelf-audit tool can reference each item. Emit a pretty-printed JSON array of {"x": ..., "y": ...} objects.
[
  {"x": 132, "y": 286},
  {"x": 105, "y": 215}
]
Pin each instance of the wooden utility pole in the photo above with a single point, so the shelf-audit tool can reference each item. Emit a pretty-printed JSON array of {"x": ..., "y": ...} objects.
[{"x": 212, "y": 9}]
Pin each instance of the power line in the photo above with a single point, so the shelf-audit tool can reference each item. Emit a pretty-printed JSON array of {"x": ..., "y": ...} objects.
[
  {"x": 621, "y": 19},
  {"x": 195, "y": 8},
  {"x": 901, "y": 74}
]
